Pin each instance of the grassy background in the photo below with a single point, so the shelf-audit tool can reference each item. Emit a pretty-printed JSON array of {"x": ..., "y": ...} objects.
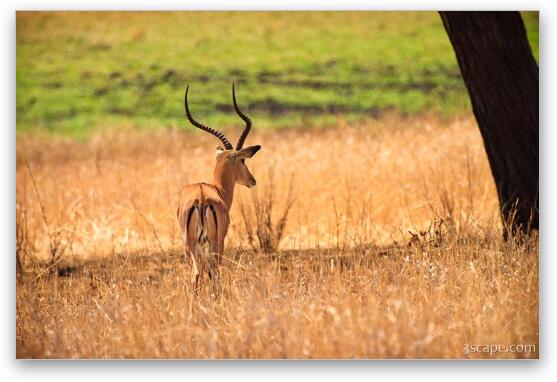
[{"x": 78, "y": 72}]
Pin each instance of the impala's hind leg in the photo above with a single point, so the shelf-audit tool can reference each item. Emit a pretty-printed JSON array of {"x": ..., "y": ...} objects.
[
  {"x": 214, "y": 276},
  {"x": 191, "y": 247},
  {"x": 213, "y": 249},
  {"x": 194, "y": 273}
]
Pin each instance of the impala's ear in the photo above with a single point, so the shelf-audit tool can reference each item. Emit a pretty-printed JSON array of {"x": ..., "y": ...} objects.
[
  {"x": 219, "y": 151},
  {"x": 247, "y": 152}
]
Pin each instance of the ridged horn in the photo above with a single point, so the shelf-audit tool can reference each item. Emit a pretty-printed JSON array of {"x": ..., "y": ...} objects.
[
  {"x": 216, "y": 133},
  {"x": 246, "y": 119}
]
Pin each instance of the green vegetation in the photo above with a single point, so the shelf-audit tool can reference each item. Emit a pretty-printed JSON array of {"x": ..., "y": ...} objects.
[{"x": 77, "y": 72}]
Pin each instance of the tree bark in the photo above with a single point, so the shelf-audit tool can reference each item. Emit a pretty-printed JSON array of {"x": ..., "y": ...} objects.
[{"x": 502, "y": 78}]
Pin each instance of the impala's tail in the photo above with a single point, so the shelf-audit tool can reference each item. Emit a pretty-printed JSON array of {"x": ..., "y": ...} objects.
[{"x": 205, "y": 219}]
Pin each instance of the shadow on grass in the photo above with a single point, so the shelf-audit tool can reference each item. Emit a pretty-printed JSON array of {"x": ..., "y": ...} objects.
[{"x": 154, "y": 264}]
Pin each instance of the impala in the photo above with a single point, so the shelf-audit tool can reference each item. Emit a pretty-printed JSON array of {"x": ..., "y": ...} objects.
[{"x": 203, "y": 212}]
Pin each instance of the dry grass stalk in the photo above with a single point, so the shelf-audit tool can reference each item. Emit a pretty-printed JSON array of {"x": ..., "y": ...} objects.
[{"x": 260, "y": 215}]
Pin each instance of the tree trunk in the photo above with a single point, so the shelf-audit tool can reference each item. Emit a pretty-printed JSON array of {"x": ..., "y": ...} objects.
[{"x": 501, "y": 75}]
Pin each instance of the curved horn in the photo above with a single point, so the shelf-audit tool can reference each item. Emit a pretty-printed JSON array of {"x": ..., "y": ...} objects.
[
  {"x": 216, "y": 133},
  {"x": 247, "y": 128}
]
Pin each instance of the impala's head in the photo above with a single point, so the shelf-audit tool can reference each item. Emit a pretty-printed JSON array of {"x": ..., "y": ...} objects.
[
  {"x": 230, "y": 160},
  {"x": 234, "y": 163}
]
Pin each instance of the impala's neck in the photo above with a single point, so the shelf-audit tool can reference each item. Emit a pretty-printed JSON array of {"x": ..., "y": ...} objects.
[{"x": 225, "y": 181}]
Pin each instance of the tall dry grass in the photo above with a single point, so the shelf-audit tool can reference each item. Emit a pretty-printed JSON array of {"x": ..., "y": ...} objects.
[{"x": 391, "y": 248}]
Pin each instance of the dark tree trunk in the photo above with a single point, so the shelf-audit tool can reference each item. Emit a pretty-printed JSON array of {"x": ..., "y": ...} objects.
[{"x": 501, "y": 76}]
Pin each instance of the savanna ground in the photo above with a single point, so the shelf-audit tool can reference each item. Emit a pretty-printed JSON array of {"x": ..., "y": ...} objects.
[{"x": 391, "y": 239}]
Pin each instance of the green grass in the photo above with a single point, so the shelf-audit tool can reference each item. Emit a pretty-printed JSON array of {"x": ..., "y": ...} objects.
[{"x": 78, "y": 72}]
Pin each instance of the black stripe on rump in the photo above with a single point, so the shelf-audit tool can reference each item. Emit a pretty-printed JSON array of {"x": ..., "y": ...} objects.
[
  {"x": 210, "y": 206},
  {"x": 190, "y": 213}
]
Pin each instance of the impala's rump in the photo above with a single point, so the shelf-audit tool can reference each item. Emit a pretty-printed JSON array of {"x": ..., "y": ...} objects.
[
  {"x": 203, "y": 218},
  {"x": 198, "y": 217}
]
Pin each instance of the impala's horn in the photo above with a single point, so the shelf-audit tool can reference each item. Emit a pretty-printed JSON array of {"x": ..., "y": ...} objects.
[
  {"x": 246, "y": 119},
  {"x": 218, "y": 134}
]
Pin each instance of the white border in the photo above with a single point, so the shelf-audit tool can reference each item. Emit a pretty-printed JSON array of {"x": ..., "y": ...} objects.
[
  {"x": 244, "y": 370},
  {"x": 280, "y": 5}
]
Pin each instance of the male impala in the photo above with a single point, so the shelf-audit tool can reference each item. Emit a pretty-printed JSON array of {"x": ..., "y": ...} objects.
[{"x": 203, "y": 212}]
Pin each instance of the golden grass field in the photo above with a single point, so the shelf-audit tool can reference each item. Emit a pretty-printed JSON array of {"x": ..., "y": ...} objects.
[{"x": 392, "y": 248}]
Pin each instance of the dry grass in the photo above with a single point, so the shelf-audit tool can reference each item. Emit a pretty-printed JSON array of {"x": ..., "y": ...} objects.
[
  {"x": 391, "y": 249},
  {"x": 258, "y": 218}
]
